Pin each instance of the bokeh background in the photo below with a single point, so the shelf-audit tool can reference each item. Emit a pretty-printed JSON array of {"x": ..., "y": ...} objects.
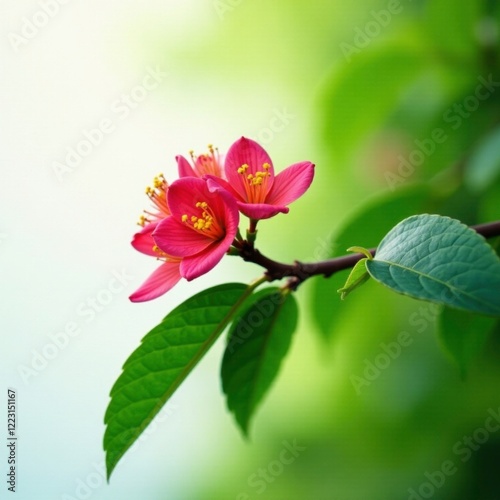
[{"x": 397, "y": 104}]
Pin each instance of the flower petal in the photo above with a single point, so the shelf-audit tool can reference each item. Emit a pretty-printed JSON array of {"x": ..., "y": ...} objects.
[
  {"x": 246, "y": 152},
  {"x": 290, "y": 184},
  {"x": 159, "y": 282},
  {"x": 196, "y": 265},
  {"x": 200, "y": 251},
  {"x": 222, "y": 191},
  {"x": 183, "y": 194},
  {"x": 261, "y": 210},
  {"x": 230, "y": 216},
  {"x": 212, "y": 180},
  {"x": 143, "y": 240},
  {"x": 177, "y": 239},
  {"x": 184, "y": 167}
]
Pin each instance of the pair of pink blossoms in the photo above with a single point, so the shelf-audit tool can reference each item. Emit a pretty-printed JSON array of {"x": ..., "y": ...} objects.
[{"x": 198, "y": 215}]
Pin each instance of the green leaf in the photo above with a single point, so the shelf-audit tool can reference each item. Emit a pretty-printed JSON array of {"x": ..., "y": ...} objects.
[
  {"x": 439, "y": 259},
  {"x": 164, "y": 359},
  {"x": 463, "y": 335},
  {"x": 356, "y": 278},
  {"x": 366, "y": 227},
  {"x": 484, "y": 164},
  {"x": 363, "y": 94},
  {"x": 258, "y": 341}
]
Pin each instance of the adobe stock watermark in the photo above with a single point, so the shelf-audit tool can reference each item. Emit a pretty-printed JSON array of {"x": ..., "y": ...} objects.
[
  {"x": 421, "y": 319},
  {"x": 32, "y": 25},
  {"x": 278, "y": 122},
  {"x": 264, "y": 476},
  {"x": 87, "y": 310},
  {"x": 454, "y": 117},
  {"x": 364, "y": 36},
  {"x": 120, "y": 110},
  {"x": 87, "y": 484},
  {"x": 223, "y": 7},
  {"x": 464, "y": 448}
]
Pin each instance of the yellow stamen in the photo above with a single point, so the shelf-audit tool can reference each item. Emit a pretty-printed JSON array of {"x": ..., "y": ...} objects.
[
  {"x": 206, "y": 222},
  {"x": 158, "y": 196},
  {"x": 142, "y": 221},
  {"x": 255, "y": 184},
  {"x": 207, "y": 163}
]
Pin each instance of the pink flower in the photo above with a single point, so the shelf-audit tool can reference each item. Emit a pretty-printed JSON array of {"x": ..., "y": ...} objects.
[
  {"x": 164, "y": 277},
  {"x": 202, "y": 227},
  {"x": 203, "y": 164},
  {"x": 251, "y": 180},
  {"x": 167, "y": 275}
]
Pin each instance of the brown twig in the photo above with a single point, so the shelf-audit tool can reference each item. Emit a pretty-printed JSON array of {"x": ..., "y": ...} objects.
[{"x": 298, "y": 272}]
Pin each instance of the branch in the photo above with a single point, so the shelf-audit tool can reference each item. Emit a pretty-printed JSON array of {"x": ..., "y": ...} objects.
[{"x": 300, "y": 271}]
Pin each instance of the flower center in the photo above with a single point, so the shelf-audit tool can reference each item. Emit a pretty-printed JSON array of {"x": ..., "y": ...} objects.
[
  {"x": 158, "y": 195},
  {"x": 207, "y": 163},
  {"x": 256, "y": 185},
  {"x": 205, "y": 222}
]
